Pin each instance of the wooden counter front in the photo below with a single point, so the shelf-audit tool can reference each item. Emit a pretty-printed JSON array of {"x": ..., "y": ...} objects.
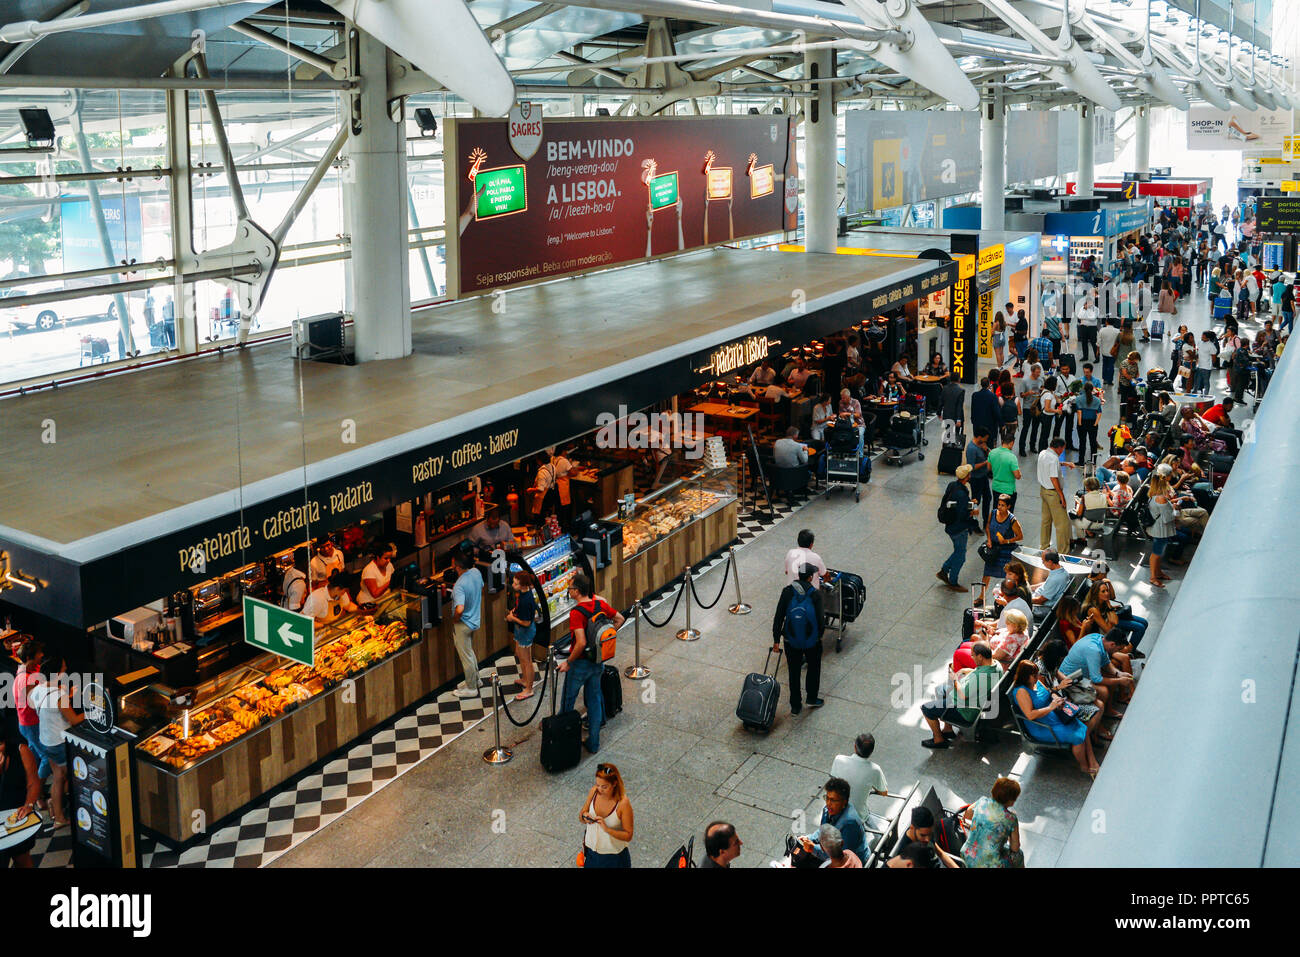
[{"x": 170, "y": 802}]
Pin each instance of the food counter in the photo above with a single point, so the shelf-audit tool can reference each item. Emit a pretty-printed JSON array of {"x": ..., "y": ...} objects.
[
  {"x": 599, "y": 482},
  {"x": 680, "y": 524},
  {"x": 260, "y": 725}
]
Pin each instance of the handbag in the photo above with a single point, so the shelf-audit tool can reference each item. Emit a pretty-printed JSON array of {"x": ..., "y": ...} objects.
[
  {"x": 1080, "y": 691},
  {"x": 985, "y": 553}
]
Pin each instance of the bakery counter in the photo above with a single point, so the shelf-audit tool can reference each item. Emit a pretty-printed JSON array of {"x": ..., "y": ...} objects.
[{"x": 288, "y": 717}]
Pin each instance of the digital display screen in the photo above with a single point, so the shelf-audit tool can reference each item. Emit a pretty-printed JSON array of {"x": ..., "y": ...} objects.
[
  {"x": 1274, "y": 255},
  {"x": 501, "y": 191}
]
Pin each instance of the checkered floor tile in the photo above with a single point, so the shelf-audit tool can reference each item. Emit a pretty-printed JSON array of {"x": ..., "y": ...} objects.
[{"x": 288, "y": 816}]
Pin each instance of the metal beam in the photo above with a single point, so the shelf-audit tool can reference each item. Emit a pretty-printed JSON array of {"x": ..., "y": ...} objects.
[
  {"x": 223, "y": 144},
  {"x": 723, "y": 14},
  {"x": 304, "y": 195},
  {"x": 334, "y": 68},
  {"x": 24, "y": 30},
  {"x": 16, "y": 54},
  {"x": 224, "y": 84}
]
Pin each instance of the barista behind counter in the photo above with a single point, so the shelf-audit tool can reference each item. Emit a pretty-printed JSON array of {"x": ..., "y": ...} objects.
[{"x": 491, "y": 533}]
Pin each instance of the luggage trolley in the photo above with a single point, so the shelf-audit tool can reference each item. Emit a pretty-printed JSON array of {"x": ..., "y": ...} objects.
[
  {"x": 843, "y": 597},
  {"x": 844, "y": 457}
]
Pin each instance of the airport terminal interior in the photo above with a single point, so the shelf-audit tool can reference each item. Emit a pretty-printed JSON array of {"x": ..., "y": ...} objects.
[{"x": 648, "y": 434}]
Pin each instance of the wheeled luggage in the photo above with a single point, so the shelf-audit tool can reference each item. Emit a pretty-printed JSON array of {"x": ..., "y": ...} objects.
[
  {"x": 853, "y": 594},
  {"x": 561, "y": 741},
  {"x": 1156, "y": 325},
  {"x": 759, "y": 697},
  {"x": 950, "y": 457},
  {"x": 611, "y": 690}
]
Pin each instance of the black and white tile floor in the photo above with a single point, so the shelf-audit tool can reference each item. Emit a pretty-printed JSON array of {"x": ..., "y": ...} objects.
[{"x": 291, "y": 814}]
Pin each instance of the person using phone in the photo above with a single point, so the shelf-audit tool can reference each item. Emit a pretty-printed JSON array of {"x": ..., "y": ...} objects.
[
  {"x": 607, "y": 814},
  {"x": 1044, "y": 721}
]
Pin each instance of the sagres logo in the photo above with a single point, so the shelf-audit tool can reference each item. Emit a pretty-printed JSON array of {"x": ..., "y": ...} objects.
[
  {"x": 78, "y": 911},
  {"x": 663, "y": 431},
  {"x": 525, "y": 129}
]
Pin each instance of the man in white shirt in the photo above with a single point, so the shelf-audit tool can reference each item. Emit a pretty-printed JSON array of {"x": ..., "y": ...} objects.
[
  {"x": 801, "y": 555},
  {"x": 774, "y": 393},
  {"x": 320, "y": 606},
  {"x": 1013, "y": 601},
  {"x": 328, "y": 560},
  {"x": 865, "y": 779},
  {"x": 1052, "y": 494},
  {"x": 765, "y": 374},
  {"x": 1087, "y": 316},
  {"x": 1107, "y": 343},
  {"x": 799, "y": 375},
  {"x": 1027, "y": 392}
]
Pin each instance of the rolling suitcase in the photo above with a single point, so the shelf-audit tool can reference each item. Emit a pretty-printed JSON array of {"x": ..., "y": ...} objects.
[
  {"x": 1156, "y": 324},
  {"x": 611, "y": 690},
  {"x": 561, "y": 741},
  {"x": 759, "y": 697},
  {"x": 853, "y": 593},
  {"x": 561, "y": 733},
  {"x": 950, "y": 457}
]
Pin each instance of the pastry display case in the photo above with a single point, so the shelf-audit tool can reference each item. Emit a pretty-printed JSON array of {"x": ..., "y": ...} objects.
[
  {"x": 244, "y": 699},
  {"x": 673, "y": 507}
]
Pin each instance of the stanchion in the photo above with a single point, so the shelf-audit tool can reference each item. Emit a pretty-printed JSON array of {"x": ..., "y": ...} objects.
[
  {"x": 497, "y": 754},
  {"x": 636, "y": 671},
  {"x": 688, "y": 633},
  {"x": 740, "y": 607}
]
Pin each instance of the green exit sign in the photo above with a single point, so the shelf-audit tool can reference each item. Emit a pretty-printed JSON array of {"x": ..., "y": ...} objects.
[
  {"x": 663, "y": 190},
  {"x": 272, "y": 628},
  {"x": 501, "y": 191}
]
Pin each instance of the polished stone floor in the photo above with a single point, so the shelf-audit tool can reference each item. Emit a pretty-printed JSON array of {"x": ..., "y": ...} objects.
[{"x": 682, "y": 752}]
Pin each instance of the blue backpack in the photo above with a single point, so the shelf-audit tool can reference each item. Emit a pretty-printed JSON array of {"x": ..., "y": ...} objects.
[{"x": 801, "y": 625}]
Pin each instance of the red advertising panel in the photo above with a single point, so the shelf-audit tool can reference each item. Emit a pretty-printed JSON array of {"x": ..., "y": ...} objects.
[{"x": 601, "y": 191}]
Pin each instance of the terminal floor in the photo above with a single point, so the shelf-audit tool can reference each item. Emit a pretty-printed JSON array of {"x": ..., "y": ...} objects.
[{"x": 682, "y": 753}]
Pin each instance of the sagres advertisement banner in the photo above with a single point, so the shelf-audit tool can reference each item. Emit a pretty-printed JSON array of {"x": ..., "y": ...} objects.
[{"x": 533, "y": 200}]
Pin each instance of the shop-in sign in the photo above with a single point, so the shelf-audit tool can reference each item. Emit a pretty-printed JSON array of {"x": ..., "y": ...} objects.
[
  {"x": 501, "y": 191},
  {"x": 275, "y": 629},
  {"x": 663, "y": 190}
]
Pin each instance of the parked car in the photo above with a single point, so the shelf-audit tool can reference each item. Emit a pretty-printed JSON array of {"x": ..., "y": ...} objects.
[{"x": 40, "y": 318}]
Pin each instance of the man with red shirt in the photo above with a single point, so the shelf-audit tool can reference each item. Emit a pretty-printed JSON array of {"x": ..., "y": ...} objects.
[
  {"x": 583, "y": 668},
  {"x": 1219, "y": 414}
]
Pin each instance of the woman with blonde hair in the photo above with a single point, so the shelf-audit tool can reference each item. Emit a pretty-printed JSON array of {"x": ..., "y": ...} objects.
[{"x": 607, "y": 813}]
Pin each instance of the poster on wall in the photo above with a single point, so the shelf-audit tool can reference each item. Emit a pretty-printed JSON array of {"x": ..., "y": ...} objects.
[
  {"x": 538, "y": 198},
  {"x": 1103, "y": 137},
  {"x": 897, "y": 158},
  {"x": 1257, "y": 131}
]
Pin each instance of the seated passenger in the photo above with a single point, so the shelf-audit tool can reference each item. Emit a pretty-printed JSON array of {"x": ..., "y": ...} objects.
[
  {"x": 1045, "y": 721},
  {"x": 1120, "y": 494},
  {"x": 1091, "y": 498},
  {"x": 831, "y": 841},
  {"x": 1014, "y": 598},
  {"x": 1092, "y": 657},
  {"x": 969, "y": 693},
  {"x": 1050, "y": 589},
  {"x": 993, "y": 833},
  {"x": 841, "y": 814},
  {"x": 920, "y": 834},
  {"x": 1005, "y": 644}
]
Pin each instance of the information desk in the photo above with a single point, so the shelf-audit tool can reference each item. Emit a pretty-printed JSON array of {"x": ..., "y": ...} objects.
[{"x": 180, "y": 798}]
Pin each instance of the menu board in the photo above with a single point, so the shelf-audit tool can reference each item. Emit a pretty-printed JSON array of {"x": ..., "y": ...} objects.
[{"x": 92, "y": 793}]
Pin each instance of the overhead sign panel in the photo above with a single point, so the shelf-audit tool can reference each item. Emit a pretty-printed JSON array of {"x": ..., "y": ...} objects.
[
  {"x": 1257, "y": 131},
  {"x": 898, "y": 158},
  {"x": 1277, "y": 214},
  {"x": 599, "y": 191}
]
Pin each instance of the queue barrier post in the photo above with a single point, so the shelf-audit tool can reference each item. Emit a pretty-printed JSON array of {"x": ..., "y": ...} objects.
[
  {"x": 688, "y": 633},
  {"x": 636, "y": 671},
  {"x": 497, "y": 754},
  {"x": 741, "y": 607}
]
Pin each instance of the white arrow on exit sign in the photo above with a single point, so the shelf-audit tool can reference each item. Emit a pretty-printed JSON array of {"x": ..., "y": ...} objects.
[{"x": 289, "y": 636}]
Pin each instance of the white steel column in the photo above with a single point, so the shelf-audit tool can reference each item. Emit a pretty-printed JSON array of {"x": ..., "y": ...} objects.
[
  {"x": 820, "y": 210},
  {"x": 1142, "y": 140},
  {"x": 1086, "y": 177},
  {"x": 377, "y": 197},
  {"x": 182, "y": 209},
  {"x": 993, "y": 172}
]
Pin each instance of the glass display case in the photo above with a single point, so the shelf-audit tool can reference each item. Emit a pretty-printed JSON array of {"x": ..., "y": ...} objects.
[
  {"x": 673, "y": 507},
  {"x": 554, "y": 564},
  {"x": 246, "y": 698}
]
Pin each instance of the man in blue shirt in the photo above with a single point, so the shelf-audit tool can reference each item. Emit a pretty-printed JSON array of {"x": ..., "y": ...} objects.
[
  {"x": 840, "y": 812},
  {"x": 467, "y": 602},
  {"x": 1091, "y": 656},
  {"x": 1051, "y": 588}
]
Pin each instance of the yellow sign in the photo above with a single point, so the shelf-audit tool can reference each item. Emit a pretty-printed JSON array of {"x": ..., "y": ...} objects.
[
  {"x": 1290, "y": 186},
  {"x": 993, "y": 256},
  {"x": 961, "y": 317},
  {"x": 985, "y": 338},
  {"x": 887, "y": 173},
  {"x": 965, "y": 267}
]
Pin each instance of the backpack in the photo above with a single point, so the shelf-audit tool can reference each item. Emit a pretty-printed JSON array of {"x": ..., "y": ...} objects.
[
  {"x": 600, "y": 633},
  {"x": 945, "y": 504},
  {"x": 801, "y": 628}
]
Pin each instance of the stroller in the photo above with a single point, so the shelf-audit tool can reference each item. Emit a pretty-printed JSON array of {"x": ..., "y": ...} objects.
[{"x": 905, "y": 435}]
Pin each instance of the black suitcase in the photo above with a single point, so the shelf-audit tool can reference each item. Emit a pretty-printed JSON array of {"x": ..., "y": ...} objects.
[
  {"x": 759, "y": 697},
  {"x": 561, "y": 741},
  {"x": 853, "y": 593},
  {"x": 611, "y": 691},
  {"x": 949, "y": 458}
]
